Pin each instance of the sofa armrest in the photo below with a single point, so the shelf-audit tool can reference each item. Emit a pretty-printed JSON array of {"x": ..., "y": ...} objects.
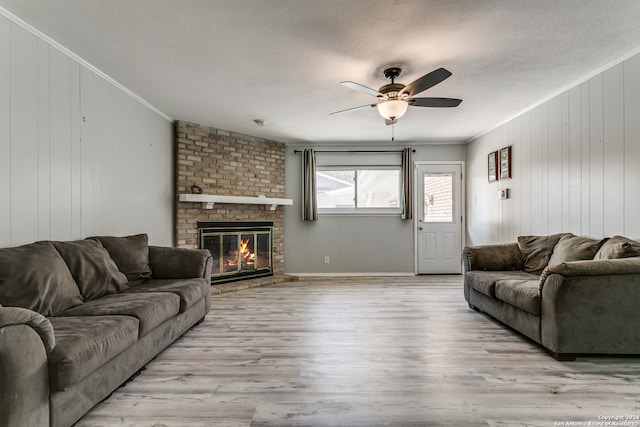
[
  {"x": 179, "y": 263},
  {"x": 503, "y": 257},
  {"x": 25, "y": 339},
  {"x": 603, "y": 267},
  {"x": 591, "y": 307},
  {"x": 12, "y": 316}
]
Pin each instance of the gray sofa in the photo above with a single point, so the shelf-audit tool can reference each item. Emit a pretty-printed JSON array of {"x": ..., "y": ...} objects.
[
  {"x": 77, "y": 319},
  {"x": 571, "y": 294}
]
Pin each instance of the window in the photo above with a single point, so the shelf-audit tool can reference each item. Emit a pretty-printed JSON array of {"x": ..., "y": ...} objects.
[
  {"x": 438, "y": 197},
  {"x": 356, "y": 189}
]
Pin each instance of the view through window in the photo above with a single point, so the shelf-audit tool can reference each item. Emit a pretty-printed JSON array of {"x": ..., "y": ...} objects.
[
  {"x": 438, "y": 197},
  {"x": 358, "y": 188}
]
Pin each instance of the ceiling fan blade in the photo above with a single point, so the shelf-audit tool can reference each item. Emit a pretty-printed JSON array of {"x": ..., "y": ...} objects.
[
  {"x": 434, "y": 102},
  {"x": 360, "y": 88},
  {"x": 390, "y": 122},
  {"x": 353, "y": 108},
  {"x": 426, "y": 81}
]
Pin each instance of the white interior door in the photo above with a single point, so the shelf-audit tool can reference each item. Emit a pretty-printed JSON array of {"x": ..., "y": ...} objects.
[{"x": 439, "y": 218}]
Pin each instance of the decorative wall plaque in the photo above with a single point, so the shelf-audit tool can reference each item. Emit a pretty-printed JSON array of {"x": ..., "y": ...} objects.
[
  {"x": 505, "y": 163},
  {"x": 492, "y": 164}
]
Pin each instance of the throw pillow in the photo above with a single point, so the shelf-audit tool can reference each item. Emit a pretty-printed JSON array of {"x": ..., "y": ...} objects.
[
  {"x": 618, "y": 247},
  {"x": 95, "y": 273},
  {"x": 575, "y": 248},
  {"x": 35, "y": 277},
  {"x": 131, "y": 255},
  {"x": 536, "y": 251}
]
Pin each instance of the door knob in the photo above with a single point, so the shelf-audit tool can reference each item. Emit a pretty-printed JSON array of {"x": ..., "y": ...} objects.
[{"x": 420, "y": 228}]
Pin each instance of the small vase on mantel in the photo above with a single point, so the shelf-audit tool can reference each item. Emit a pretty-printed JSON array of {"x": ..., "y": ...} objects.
[{"x": 196, "y": 189}]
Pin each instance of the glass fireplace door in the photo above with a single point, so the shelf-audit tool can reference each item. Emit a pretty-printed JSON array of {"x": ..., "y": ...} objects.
[{"x": 238, "y": 253}]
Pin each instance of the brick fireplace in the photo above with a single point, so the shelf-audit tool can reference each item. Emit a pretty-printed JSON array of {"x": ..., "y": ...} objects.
[{"x": 228, "y": 164}]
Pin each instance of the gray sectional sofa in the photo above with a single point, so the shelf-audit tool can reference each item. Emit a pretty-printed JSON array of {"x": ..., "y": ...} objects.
[
  {"x": 77, "y": 319},
  {"x": 571, "y": 294}
]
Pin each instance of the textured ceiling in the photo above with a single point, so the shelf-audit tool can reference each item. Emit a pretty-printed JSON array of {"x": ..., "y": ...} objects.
[{"x": 224, "y": 63}]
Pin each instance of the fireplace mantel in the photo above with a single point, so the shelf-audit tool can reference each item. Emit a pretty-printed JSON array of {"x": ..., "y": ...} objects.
[{"x": 208, "y": 200}]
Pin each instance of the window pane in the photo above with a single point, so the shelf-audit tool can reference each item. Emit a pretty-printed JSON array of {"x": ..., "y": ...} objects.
[
  {"x": 378, "y": 188},
  {"x": 336, "y": 189},
  {"x": 438, "y": 197}
]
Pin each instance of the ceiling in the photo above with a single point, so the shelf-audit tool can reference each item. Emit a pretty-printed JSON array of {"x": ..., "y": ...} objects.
[{"x": 224, "y": 63}]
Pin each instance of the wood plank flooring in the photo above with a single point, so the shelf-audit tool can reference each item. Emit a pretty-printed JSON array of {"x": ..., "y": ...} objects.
[{"x": 365, "y": 352}]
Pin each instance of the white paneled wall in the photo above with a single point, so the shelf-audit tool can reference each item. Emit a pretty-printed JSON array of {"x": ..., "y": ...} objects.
[
  {"x": 575, "y": 165},
  {"x": 78, "y": 156}
]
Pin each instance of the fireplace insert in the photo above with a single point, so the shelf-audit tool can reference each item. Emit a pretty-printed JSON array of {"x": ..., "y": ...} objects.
[{"x": 239, "y": 249}]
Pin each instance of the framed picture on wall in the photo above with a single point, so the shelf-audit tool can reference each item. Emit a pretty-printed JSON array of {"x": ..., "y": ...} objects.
[
  {"x": 505, "y": 163},
  {"x": 492, "y": 164}
]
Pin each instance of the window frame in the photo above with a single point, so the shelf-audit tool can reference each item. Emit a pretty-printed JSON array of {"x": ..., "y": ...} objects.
[{"x": 354, "y": 211}]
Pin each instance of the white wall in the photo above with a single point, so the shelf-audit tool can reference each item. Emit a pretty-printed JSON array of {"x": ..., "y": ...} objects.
[
  {"x": 355, "y": 244},
  {"x": 575, "y": 165},
  {"x": 78, "y": 156}
]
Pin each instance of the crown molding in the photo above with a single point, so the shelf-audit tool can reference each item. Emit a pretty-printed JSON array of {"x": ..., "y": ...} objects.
[{"x": 13, "y": 18}]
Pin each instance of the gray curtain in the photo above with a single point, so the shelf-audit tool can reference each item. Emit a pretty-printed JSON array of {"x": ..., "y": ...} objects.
[
  {"x": 309, "y": 202},
  {"x": 407, "y": 185}
]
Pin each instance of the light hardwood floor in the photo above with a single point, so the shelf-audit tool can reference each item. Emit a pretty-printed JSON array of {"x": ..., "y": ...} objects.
[{"x": 365, "y": 352}]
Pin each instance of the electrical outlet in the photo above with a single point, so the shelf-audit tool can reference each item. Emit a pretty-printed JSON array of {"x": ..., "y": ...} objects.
[{"x": 326, "y": 260}]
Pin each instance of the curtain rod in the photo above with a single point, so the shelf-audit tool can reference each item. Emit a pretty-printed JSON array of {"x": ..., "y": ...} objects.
[{"x": 413, "y": 150}]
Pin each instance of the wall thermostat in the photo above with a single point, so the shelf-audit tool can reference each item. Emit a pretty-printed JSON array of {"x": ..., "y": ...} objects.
[{"x": 504, "y": 194}]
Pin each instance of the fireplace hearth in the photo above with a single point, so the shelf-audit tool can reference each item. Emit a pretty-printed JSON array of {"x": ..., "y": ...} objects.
[{"x": 240, "y": 250}]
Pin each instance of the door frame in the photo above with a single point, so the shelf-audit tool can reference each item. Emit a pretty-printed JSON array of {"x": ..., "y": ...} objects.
[{"x": 463, "y": 209}]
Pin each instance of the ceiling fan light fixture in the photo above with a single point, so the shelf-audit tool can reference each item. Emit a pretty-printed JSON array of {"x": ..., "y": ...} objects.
[{"x": 392, "y": 109}]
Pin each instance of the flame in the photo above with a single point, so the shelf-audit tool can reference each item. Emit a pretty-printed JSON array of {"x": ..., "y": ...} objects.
[
  {"x": 246, "y": 256},
  {"x": 245, "y": 253}
]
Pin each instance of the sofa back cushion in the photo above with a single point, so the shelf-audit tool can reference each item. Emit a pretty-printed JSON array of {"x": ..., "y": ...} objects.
[
  {"x": 93, "y": 270},
  {"x": 536, "y": 251},
  {"x": 35, "y": 277},
  {"x": 618, "y": 247},
  {"x": 575, "y": 248},
  {"x": 131, "y": 255}
]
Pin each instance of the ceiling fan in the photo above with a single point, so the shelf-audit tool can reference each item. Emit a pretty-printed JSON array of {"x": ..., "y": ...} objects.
[{"x": 394, "y": 98}]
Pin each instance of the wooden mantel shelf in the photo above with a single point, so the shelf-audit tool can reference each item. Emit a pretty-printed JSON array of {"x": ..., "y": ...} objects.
[{"x": 208, "y": 200}]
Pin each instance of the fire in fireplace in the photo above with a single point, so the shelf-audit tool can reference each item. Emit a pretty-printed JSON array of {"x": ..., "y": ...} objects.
[{"x": 239, "y": 249}]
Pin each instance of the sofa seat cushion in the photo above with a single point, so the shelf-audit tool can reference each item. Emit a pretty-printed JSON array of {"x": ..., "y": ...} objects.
[
  {"x": 523, "y": 294},
  {"x": 485, "y": 281},
  {"x": 190, "y": 291},
  {"x": 150, "y": 308},
  {"x": 85, "y": 343}
]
